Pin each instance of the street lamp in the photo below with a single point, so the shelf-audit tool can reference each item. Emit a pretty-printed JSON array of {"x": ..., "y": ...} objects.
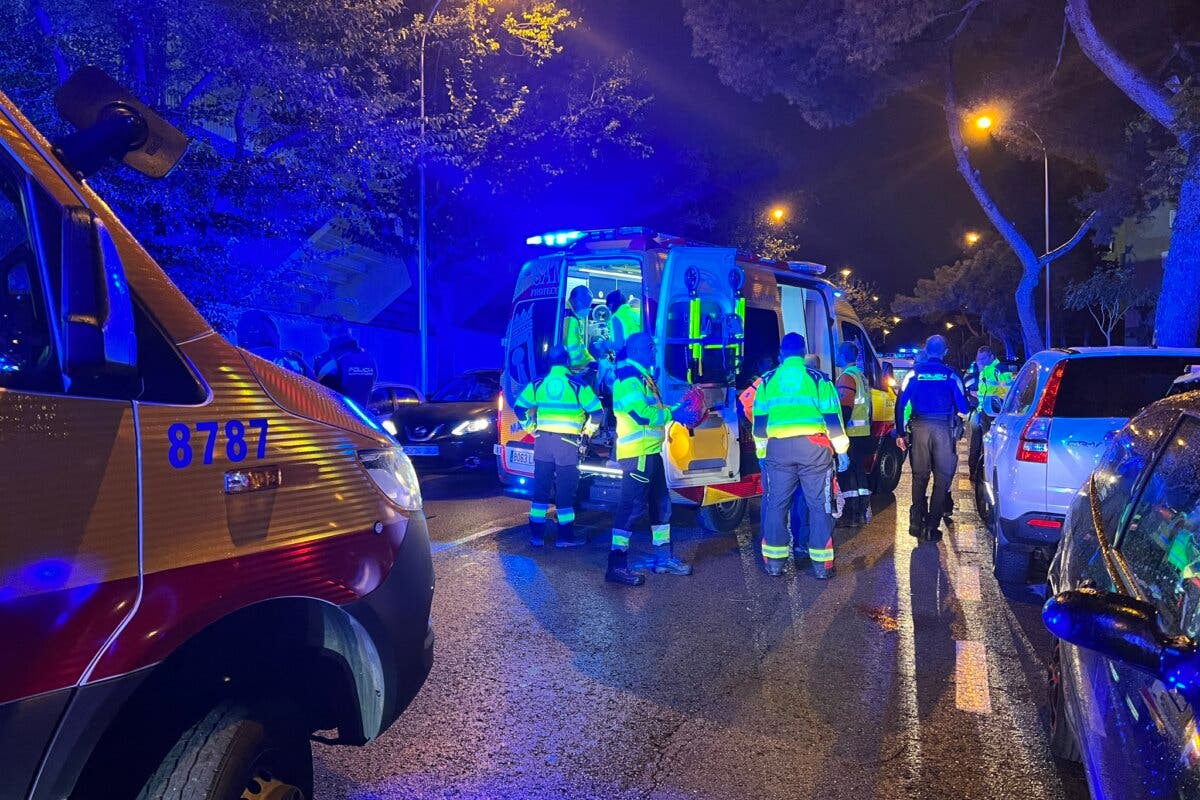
[
  {"x": 874, "y": 298},
  {"x": 846, "y": 273},
  {"x": 949, "y": 326},
  {"x": 422, "y": 234},
  {"x": 972, "y": 238},
  {"x": 985, "y": 122},
  {"x": 895, "y": 320},
  {"x": 778, "y": 213}
]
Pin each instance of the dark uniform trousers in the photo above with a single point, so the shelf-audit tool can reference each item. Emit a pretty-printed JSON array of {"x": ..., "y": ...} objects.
[
  {"x": 980, "y": 424},
  {"x": 853, "y": 482},
  {"x": 798, "y": 463},
  {"x": 643, "y": 488},
  {"x": 933, "y": 452},
  {"x": 555, "y": 476}
]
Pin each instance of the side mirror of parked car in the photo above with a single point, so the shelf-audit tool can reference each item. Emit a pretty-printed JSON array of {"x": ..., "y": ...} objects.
[
  {"x": 992, "y": 405},
  {"x": 1128, "y": 630}
]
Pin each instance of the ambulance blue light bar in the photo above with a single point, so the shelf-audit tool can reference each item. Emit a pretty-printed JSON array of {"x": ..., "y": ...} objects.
[
  {"x": 807, "y": 266},
  {"x": 556, "y": 238}
]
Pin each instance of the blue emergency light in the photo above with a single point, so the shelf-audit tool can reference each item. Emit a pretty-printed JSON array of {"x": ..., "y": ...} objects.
[{"x": 555, "y": 239}]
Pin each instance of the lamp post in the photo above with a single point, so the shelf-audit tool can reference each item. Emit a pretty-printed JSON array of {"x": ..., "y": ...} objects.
[{"x": 422, "y": 235}]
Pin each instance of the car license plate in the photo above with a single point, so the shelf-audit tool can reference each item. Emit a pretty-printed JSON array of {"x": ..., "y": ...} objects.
[
  {"x": 519, "y": 457},
  {"x": 420, "y": 450}
]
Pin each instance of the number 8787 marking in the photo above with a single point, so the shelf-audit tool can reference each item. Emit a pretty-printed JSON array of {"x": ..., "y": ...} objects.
[{"x": 179, "y": 435}]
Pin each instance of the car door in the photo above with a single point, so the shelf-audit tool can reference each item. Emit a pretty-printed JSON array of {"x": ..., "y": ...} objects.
[
  {"x": 69, "y": 569},
  {"x": 1149, "y": 746}
]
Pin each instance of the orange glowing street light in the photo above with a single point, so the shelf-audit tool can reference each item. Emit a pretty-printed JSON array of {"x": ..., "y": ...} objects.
[
  {"x": 778, "y": 213},
  {"x": 984, "y": 122},
  {"x": 846, "y": 272},
  {"x": 895, "y": 320},
  {"x": 949, "y": 326},
  {"x": 972, "y": 238}
]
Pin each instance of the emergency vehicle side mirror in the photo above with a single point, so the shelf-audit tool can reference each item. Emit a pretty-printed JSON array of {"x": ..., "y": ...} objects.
[{"x": 96, "y": 311}]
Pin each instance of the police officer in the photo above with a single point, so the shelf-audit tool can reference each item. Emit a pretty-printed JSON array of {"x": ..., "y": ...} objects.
[
  {"x": 936, "y": 395},
  {"x": 258, "y": 333},
  {"x": 345, "y": 367},
  {"x": 993, "y": 382},
  {"x": 854, "y": 395},
  {"x": 797, "y": 411},
  {"x": 575, "y": 329},
  {"x": 559, "y": 409},
  {"x": 641, "y": 422}
]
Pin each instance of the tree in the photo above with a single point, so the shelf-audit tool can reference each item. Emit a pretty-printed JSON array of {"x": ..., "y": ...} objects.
[
  {"x": 304, "y": 115},
  {"x": 864, "y": 298},
  {"x": 1175, "y": 105},
  {"x": 1108, "y": 295},
  {"x": 972, "y": 289},
  {"x": 836, "y": 61}
]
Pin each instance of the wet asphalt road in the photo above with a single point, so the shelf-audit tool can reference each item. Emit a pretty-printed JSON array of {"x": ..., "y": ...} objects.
[{"x": 909, "y": 675}]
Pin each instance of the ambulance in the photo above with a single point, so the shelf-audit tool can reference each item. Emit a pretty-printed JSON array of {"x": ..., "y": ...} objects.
[
  {"x": 717, "y": 315},
  {"x": 204, "y": 558}
]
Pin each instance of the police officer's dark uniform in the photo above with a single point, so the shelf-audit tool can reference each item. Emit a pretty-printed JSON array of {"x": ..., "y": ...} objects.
[
  {"x": 346, "y": 367},
  {"x": 936, "y": 395}
]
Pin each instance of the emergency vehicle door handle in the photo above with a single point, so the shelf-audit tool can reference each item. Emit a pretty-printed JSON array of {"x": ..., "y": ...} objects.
[{"x": 253, "y": 479}]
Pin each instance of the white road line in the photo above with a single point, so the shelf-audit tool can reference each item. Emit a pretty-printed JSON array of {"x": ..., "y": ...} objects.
[
  {"x": 439, "y": 547},
  {"x": 902, "y": 554},
  {"x": 964, "y": 484},
  {"x": 965, "y": 539},
  {"x": 971, "y": 678}
]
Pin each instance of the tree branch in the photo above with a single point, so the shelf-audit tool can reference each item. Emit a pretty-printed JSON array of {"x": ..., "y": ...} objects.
[
  {"x": 966, "y": 11},
  {"x": 1068, "y": 245},
  {"x": 1062, "y": 44},
  {"x": 198, "y": 89},
  {"x": 1140, "y": 88},
  {"x": 47, "y": 28}
]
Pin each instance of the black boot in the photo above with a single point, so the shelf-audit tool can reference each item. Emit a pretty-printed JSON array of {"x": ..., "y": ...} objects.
[
  {"x": 916, "y": 519},
  {"x": 665, "y": 562},
  {"x": 774, "y": 566},
  {"x": 566, "y": 536},
  {"x": 537, "y": 533},
  {"x": 619, "y": 571}
]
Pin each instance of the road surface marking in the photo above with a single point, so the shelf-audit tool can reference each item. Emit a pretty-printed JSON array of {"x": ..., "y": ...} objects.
[
  {"x": 971, "y": 678},
  {"x": 964, "y": 484},
  {"x": 437, "y": 548},
  {"x": 902, "y": 556},
  {"x": 964, "y": 538},
  {"x": 967, "y": 585}
]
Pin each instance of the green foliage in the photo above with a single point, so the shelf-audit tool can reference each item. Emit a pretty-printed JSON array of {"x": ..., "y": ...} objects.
[
  {"x": 977, "y": 286},
  {"x": 863, "y": 296},
  {"x": 1108, "y": 295},
  {"x": 306, "y": 114}
]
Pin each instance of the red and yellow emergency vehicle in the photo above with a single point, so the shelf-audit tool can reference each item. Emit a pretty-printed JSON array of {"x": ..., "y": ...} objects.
[
  {"x": 716, "y": 314},
  {"x": 204, "y": 558}
]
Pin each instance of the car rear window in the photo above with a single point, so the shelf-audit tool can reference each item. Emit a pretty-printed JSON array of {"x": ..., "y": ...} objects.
[{"x": 1116, "y": 386}]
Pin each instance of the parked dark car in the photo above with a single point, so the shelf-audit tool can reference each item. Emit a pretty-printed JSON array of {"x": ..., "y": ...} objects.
[
  {"x": 455, "y": 429},
  {"x": 1124, "y": 674}
]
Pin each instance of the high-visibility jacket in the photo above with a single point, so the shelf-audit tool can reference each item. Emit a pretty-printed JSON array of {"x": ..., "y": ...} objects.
[
  {"x": 575, "y": 339},
  {"x": 800, "y": 401},
  {"x": 559, "y": 404},
  {"x": 859, "y": 422},
  {"x": 994, "y": 380},
  {"x": 625, "y": 322},
  {"x": 642, "y": 416}
]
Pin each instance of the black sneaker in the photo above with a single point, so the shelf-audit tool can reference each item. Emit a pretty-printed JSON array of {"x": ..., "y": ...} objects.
[
  {"x": 624, "y": 576},
  {"x": 774, "y": 566},
  {"x": 823, "y": 572},
  {"x": 933, "y": 534}
]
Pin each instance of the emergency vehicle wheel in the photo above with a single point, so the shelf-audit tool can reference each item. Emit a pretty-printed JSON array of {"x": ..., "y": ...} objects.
[
  {"x": 723, "y": 517},
  {"x": 888, "y": 466},
  {"x": 235, "y": 753}
]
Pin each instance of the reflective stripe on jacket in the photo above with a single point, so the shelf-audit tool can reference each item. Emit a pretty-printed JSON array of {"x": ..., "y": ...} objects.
[
  {"x": 558, "y": 404},
  {"x": 641, "y": 415},
  {"x": 799, "y": 401},
  {"x": 859, "y": 423},
  {"x": 575, "y": 340}
]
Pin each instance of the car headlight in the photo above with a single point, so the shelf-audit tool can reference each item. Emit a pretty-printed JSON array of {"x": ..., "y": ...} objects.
[
  {"x": 393, "y": 473},
  {"x": 389, "y": 426},
  {"x": 471, "y": 426}
]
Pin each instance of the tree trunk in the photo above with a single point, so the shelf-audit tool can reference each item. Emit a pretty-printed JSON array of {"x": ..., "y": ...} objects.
[
  {"x": 1031, "y": 267},
  {"x": 1177, "y": 320}
]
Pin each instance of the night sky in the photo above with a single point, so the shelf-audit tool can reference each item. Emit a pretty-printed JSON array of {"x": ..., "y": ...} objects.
[{"x": 884, "y": 195}]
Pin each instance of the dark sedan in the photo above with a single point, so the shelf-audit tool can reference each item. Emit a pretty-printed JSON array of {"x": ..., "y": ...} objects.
[
  {"x": 455, "y": 429},
  {"x": 1125, "y": 677}
]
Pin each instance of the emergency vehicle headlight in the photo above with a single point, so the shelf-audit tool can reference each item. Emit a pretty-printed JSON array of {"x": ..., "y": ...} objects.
[
  {"x": 393, "y": 473},
  {"x": 471, "y": 426},
  {"x": 389, "y": 426}
]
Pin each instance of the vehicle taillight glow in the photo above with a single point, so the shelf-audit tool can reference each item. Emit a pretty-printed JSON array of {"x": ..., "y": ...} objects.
[
  {"x": 1035, "y": 439},
  {"x": 1045, "y": 523}
]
